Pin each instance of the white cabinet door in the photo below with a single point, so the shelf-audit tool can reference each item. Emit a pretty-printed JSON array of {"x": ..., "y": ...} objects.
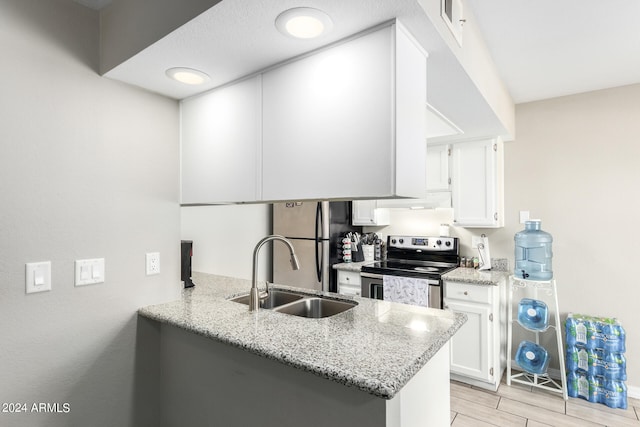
[
  {"x": 366, "y": 212},
  {"x": 220, "y": 140},
  {"x": 471, "y": 345},
  {"x": 349, "y": 283},
  {"x": 340, "y": 122},
  {"x": 437, "y": 167},
  {"x": 327, "y": 119},
  {"x": 476, "y": 183}
]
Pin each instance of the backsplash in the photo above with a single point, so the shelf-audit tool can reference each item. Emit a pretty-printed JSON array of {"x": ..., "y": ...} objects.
[{"x": 500, "y": 264}]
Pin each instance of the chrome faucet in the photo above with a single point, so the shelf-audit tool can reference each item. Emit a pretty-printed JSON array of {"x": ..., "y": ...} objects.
[{"x": 254, "y": 295}]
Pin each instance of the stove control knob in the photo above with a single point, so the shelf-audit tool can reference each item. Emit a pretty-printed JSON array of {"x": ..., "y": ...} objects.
[
  {"x": 393, "y": 241},
  {"x": 438, "y": 242},
  {"x": 401, "y": 241},
  {"x": 447, "y": 243}
]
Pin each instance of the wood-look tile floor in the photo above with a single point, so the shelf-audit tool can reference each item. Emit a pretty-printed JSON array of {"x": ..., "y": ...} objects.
[{"x": 520, "y": 405}]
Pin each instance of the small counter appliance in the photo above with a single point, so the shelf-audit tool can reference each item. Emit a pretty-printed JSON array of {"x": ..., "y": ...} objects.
[{"x": 186, "y": 247}]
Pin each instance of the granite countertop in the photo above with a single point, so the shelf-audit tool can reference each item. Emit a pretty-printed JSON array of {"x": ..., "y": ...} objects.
[
  {"x": 351, "y": 266},
  {"x": 478, "y": 277},
  {"x": 377, "y": 346}
]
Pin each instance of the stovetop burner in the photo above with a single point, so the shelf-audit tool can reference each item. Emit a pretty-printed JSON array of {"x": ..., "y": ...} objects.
[{"x": 428, "y": 257}]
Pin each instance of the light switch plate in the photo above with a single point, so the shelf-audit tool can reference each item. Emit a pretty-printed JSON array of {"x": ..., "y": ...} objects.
[
  {"x": 524, "y": 216},
  {"x": 89, "y": 271},
  {"x": 38, "y": 277},
  {"x": 153, "y": 263}
]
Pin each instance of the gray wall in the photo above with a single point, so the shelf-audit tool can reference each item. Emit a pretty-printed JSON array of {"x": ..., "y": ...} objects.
[
  {"x": 88, "y": 168},
  {"x": 130, "y": 26}
]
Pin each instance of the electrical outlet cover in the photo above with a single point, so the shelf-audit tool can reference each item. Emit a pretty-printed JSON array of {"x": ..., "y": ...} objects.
[{"x": 153, "y": 263}]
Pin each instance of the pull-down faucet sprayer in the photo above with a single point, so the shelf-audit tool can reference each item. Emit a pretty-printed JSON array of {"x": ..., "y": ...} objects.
[{"x": 254, "y": 294}]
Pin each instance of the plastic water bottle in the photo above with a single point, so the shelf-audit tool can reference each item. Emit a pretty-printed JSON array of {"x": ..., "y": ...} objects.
[
  {"x": 596, "y": 362},
  {"x": 614, "y": 367},
  {"x": 614, "y": 394},
  {"x": 533, "y": 314},
  {"x": 533, "y": 252},
  {"x": 596, "y": 389},
  {"x": 572, "y": 358},
  {"x": 613, "y": 336},
  {"x": 532, "y": 357},
  {"x": 572, "y": 383}
]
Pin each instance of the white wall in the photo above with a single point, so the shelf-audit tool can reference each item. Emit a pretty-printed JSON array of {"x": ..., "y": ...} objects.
[
  {"x": 88, "y": 168},
  {"x": 224, "y": 237},
  {"x": 575, "y": 166}
]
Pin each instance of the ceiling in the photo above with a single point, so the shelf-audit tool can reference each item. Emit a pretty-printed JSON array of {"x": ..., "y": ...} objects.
[
  {"x": 94, "y": 4},
  {"x": 545, "y": 48},
  {"x": 548, "y": 48},
  {"x": 235, "y": 38}
]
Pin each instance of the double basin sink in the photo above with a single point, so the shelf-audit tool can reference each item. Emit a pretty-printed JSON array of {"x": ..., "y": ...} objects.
[{"x": 310, "y": 306}]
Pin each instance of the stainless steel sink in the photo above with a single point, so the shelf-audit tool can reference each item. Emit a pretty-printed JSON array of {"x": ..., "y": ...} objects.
[
  {"x": 310, "y": 306},
  {"x": 315, "y": 308},
  {"x": 276, "y": 298}
]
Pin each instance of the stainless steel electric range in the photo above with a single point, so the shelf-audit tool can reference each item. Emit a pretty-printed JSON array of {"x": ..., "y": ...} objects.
[{"x": 418, "y": 257}]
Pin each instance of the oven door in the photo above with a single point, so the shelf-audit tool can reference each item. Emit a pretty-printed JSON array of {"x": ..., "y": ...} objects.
[{"x": 372, "y": 287}]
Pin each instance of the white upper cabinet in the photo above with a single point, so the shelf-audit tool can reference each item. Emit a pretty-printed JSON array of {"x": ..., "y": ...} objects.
[
  {"x": 367, "y": 212},
  {"x": 438, "y": 168},
  {"x": 220, "y": 143},
  {"x": 347, "y": 122},
  {"x": 477, "y": 183}
]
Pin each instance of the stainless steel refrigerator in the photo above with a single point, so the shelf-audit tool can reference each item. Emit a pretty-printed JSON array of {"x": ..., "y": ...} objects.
[{"x": 315, "y": 229}]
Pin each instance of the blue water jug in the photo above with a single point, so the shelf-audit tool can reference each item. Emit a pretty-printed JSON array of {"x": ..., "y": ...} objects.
[
  {"x": 533, "y": 314},
  {"x": 532, "y": 357},
  {"x": 533, "y": 252}
]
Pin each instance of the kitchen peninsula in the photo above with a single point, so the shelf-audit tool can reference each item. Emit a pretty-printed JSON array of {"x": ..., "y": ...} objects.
[{"x": 377, "y": 364}]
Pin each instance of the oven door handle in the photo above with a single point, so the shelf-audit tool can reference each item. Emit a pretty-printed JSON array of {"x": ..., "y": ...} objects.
[{"x": 371, "y": 275}]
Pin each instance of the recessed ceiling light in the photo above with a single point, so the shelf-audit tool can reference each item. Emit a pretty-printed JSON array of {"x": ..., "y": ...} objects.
[
  {"x": 303, "y": 23},
  {"x": 187, "y": 75}
]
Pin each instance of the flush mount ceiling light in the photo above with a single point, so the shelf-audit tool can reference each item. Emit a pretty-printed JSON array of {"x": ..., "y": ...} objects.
[
  {"x": 187, "y": 75},
  {"x": 303, "y": 23}
]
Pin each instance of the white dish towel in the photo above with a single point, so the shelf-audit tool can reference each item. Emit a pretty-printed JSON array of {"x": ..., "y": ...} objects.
[{"x": 407, "y": 290}]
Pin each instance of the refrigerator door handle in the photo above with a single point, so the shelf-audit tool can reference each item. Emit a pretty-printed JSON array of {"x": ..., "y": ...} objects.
[{"x": 319, "y": 258}]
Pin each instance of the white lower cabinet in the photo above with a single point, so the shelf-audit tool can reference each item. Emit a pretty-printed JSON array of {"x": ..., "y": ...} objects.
[
  {"x": 477, "y": 349},
  {"x": 349, "y": 283}
]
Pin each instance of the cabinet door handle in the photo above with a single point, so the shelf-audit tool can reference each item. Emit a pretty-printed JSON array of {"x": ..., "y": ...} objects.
[
  {"x": 466, "y": 293},
  {"x": 495, "y": 216}
]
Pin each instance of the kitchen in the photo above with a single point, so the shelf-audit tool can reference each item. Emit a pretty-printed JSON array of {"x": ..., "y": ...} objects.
[{"x": 88, "y": 193}]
